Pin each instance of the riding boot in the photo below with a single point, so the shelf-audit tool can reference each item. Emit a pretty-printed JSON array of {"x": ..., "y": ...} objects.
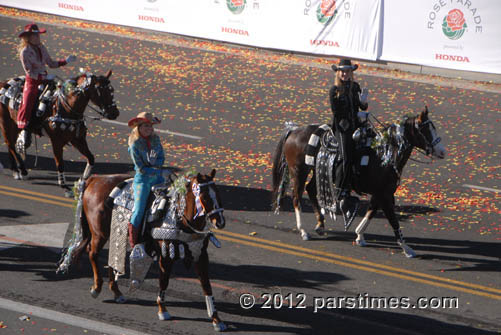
[
  {"x": 23, "y": 140},
  {"x": 133, "y": 235}
]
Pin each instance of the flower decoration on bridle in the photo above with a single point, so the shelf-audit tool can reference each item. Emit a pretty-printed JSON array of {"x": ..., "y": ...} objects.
[{"x": 195, "y": 188}]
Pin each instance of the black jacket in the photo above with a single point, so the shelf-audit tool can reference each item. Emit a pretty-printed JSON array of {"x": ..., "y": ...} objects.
[{"x": 346, "y": 106}]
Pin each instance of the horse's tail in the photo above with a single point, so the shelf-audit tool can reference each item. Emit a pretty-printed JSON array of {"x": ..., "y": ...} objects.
[
  {"x": 86, "y": 237},
  {"x": 280, "y": 172},
  {"x": 81, "y": 234}
]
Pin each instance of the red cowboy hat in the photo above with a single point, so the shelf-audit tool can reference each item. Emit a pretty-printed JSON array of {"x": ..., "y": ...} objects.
[
  {"x": 31, "y": 29},
  {"x": 143, "y": 117}
]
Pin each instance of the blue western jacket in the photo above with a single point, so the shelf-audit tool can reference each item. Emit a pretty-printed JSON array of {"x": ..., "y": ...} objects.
[{"x": 145, "y": 159}]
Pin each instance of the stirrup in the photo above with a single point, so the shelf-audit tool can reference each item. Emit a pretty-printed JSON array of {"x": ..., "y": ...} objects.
[{"x": 349, "y": 208}]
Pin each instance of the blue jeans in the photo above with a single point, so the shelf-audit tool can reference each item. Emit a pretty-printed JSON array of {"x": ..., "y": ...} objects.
[{"x": 142, "y": 186}]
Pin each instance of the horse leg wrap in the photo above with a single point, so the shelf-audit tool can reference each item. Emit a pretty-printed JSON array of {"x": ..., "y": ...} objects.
[
  {"x": 362, "y": 226},
  {"x": 211, "y": 309},
  {"x": 61, "y": 179},
  {"x": 87, "y": 171},
  {"x": 162, "y": 313}
]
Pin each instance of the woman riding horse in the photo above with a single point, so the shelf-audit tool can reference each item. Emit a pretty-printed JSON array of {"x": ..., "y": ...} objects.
[
  {"x": 34, "y": 56},
  {"x": 346, "y": 99},
  {"x": 147, "y": 153}
]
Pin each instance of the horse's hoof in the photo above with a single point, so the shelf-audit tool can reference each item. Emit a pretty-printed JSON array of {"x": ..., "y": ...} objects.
[
  {"x": 120, "y": 300},
  {"x": 163, "y": 316},
  {"x": 320, "y": 230},
  {"x": 219, "y": 326},
  {"x": 408, "y": 252},
  {"x": 305, "y": 236},
  {"x": 68, "y": 194},
  {"x": 16, "y": 175},
  {"x": 361, "y": 242},
  {"x": 94, "y": 293}
]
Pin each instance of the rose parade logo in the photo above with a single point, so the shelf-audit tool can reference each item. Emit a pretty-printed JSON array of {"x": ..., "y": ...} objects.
[
  {"x": 236, "y": 6},
  {"x": 326, "y": 11},
  {"x": 454, "y": 24}
]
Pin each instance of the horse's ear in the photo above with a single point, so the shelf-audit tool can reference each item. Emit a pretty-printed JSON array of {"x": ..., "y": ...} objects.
[
  {"x": 425, "y": 109},
  {"x": 212, "y": 173},
  {"x": 108, "y": 74},
  {"x": 93, "y": 80}
]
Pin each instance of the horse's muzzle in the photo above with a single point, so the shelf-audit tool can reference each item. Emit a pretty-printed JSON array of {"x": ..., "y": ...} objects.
[
  {"x": 111, "y": 113},
  {"x": 217, "y": 219},
  {"x": 438, "y": 151}
]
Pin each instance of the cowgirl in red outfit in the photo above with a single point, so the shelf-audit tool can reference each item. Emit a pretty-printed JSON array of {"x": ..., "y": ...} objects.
[{"x": 34, "y": 56}]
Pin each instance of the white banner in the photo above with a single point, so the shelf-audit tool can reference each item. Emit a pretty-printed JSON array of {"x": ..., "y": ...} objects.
[
  {"x": 326, "y": 27},
  {"x": 454, "y": 34}
]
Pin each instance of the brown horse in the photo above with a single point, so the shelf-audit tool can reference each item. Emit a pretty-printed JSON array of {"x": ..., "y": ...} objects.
[
  {"x": 66, "y": 123},
  {"x": 96, "y": 223},
  {"x": 377, "y": 179}
]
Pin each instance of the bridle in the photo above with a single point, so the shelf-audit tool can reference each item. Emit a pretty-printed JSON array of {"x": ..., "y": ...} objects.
[
  {"x": 200, "y": 207},
  {"x": 430, "y": 145},
  {"x": 104, "y": 108},
  {"x": 84, "y": 89}
]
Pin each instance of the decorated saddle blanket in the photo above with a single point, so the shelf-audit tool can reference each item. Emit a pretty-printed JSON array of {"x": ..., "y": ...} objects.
[
  {"x": 12, "y": 94},
  {"x": 326, "y": 160},
  {"x": 165, "y": 204},
  {"x": 322, "y": 154}
]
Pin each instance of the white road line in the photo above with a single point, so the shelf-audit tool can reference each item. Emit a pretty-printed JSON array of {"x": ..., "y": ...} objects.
[
  {"x": 156, "y": 130},
  {"x": 482, "y": 188},
  {"x": 68, "y": 319}
]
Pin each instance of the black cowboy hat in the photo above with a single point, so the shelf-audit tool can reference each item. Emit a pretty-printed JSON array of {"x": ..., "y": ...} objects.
[
  {"x": 344, "y": 64},
  {"x": 31, "y": 29}
]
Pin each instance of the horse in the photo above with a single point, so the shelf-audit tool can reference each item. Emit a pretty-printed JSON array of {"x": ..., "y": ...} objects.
[
  {"x": 378, "y": 180},
  {"x": 66, "y": 123},
  {"x": 197, "y": 214}
]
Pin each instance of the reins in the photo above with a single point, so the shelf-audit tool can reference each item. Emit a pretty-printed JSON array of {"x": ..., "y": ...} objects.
[
  {"x": 97, "y": 111},
  {"x": 61, "y": 98},
  {"x": 421, "y": 151}
]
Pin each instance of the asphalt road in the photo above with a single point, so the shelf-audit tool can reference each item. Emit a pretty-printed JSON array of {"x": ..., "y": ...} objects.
[{"x": 224, "y": 107}]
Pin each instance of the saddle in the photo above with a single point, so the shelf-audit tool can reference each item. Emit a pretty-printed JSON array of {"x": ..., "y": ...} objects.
[
  {"x": 162, "y": 221},
  {"x": 121, "y": 200},
  {"x": 324, "y": 155},
  {"x": 12, "y": 96}
]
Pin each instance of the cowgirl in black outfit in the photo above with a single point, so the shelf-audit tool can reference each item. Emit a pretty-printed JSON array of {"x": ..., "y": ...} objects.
[{"x": 346, "y": 99}]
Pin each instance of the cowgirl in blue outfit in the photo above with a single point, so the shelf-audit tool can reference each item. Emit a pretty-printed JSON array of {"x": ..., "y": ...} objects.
[{"x": 147, "y": 155}]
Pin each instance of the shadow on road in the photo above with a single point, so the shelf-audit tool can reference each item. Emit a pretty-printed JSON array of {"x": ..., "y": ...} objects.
[
  {"x": 37, "y": 264},
  {"x": 250, "y": 199},
  {"x": 12, "y": 213}
]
